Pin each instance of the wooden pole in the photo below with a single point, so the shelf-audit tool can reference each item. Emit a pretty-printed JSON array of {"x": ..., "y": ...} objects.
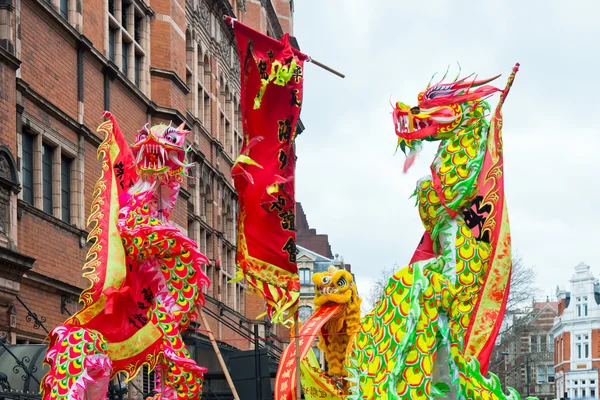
[
  {"x": 296, "y": 336},
  {"x": 326, "y": 68},
  {"x": 219, "y": 356}
]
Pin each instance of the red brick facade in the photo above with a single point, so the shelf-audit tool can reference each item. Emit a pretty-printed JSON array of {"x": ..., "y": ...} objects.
[{"x": 154, "y": 62}]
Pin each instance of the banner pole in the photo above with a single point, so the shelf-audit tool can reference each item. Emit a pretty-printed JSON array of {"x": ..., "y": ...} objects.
[
  {"x": 327, "y": 68},
  {"x": 231, "y": 21},
  {"x": 296, "y": 336},
  {"x": 219, "y": 356}
]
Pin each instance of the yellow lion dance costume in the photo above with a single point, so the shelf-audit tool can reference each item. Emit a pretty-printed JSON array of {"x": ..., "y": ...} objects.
[{"x": 337, "y": 286}]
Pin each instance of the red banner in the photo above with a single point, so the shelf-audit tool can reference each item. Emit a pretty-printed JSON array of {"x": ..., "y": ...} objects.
[
  {"x": 271, "y": 98},
  {"x": 285, "y": 383}
]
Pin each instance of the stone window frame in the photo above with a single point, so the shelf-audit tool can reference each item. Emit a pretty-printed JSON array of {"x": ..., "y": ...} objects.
[
  {"x": 61, "y": 147},
  {"x": 9, "y": 189},
  {"x": 72, "y": 16},
  {"x": 581, "y": 343},
  {"x": 138, "y": 67}
]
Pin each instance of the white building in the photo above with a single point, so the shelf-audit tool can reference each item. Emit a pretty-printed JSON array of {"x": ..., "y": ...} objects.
[{"x": 576, "y": 334}]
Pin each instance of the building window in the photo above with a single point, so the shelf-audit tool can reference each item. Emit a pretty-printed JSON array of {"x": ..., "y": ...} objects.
[
  {"x": 582, "y": 306},
  {"x": 112, "y": 35},
  {"x": 148, "y": 380},
  {"x": 27, "y": 167},
  {"x": 305, "y": 276},
  {"x": 137, "y": 29},
  {"x": 582, "y": 346},
  {"x": 138, "y": 69},
  {"x": 593, "y": 393},
  {"x": 550, "y": 374},
  {"x": 64, "y": 9},
  {"x": 47, "y": 153},
  {"x": 125, "y": 63},
  {"x": 65, "y": 188},
  {"x": 541, "y": 375},
  {"x": 125, "y": 15},
  {"x": 304, "y": 312},
  {"x": 126, "y": 29}
]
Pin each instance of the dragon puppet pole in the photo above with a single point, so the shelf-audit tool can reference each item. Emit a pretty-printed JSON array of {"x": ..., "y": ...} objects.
[
  {"x": 297, "y": 337},
  {"x": 219, "y": 356}
]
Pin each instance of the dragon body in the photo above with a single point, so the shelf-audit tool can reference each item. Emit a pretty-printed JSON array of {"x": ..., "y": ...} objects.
[
  {"x": 430, "y": 334},
  {"x": 146, "y": 276},
  {"x": 417, "y": 342}
]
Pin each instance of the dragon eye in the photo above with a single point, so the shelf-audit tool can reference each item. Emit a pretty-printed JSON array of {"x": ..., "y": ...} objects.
[
  {"x": 325, "y": 279},
  {"x": 171, "y": 137},
  {"x": 142, "y": 136}
]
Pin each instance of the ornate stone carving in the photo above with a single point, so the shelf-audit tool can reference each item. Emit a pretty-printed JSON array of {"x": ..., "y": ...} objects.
[
  {"x": 5, "y": 169},
  {"x": 225, "y": 48},
  {"x": 235, "y": 69},
  {"x": 204, "y": 13}
]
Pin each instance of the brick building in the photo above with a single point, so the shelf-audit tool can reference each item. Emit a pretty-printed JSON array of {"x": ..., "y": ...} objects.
[
  {"x": 62, "y": 63},
  {"x": 523, "y": 357},
  {"x": 577, "y": 336}
]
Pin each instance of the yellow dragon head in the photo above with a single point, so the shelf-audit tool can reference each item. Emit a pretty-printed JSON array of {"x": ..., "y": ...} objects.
[{"x": 335, "y": 285}]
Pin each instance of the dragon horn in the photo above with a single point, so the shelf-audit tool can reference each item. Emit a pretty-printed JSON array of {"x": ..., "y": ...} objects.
[
  {"x": 445, "y": 75},
  {"x": 181, "y": 127},
  {"x": 475, "y": 82},
  {"x": 431, "y": 80},
  {"x": 145, "y": 128},
  {"x": 458, "y": 73}
]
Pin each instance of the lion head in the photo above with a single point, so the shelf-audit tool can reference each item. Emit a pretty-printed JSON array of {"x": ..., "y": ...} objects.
[{"x": 335, "y": 285}]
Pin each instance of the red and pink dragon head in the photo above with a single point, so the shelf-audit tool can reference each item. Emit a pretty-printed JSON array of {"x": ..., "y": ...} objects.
[
  {"x": 443, "y": 110},
  {"x": 160, "y": 153}
]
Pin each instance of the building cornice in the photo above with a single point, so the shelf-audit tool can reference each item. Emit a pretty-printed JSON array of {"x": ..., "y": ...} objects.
[
  {"x": 10, "y": 60},
  {"x": 171, "y": 76},
  {"x": 56, "y": 112},
  {"x": 58, "y": 286},
  {"x": 28, "y": 208}
]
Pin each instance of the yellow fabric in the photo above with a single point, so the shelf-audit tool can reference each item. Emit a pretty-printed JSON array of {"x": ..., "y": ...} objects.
[
  {"x": 137, "y": 343},
  {"x": 116, "y": 265},
  {"x": 315, "y": 385}
]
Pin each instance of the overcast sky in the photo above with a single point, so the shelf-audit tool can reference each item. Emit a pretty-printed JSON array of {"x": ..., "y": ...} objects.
[{"x": 350, "y": 183}]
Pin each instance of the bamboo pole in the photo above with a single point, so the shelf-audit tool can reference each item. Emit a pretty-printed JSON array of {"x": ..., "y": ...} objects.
[
  {"x": 219, "y": 356},
  {"x": 297, "y": 337}
]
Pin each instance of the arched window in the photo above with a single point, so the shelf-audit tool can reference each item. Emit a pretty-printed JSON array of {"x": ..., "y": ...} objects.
[
  {"x": 207, "y": 205},
  {"x": 304, "y": 312},
  {"x": 189, "y": 72},
  {"x": 207, "y": 87}
]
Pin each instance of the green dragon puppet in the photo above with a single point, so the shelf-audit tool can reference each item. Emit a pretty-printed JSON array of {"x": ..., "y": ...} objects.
[{"x": 432, "y": 333}]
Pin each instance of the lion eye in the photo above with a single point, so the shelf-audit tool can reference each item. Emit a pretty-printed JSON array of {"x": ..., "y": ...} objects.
[
  {"x": 325, "y": 279},
  {"x": 342, "y": 282}
]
